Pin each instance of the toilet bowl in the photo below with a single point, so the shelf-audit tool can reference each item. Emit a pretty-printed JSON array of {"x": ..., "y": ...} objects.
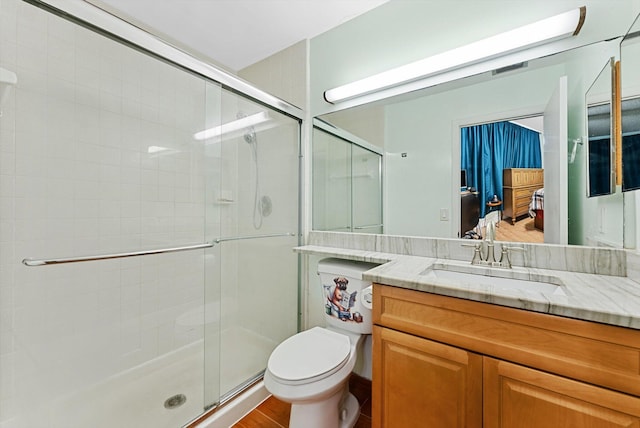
[{"x": 311, "y": 369}]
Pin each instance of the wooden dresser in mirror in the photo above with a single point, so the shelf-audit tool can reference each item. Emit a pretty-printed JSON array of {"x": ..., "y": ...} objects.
[{"x": 518, "y": 187}]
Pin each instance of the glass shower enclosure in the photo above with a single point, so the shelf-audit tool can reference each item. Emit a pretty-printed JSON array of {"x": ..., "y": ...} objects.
[
  {"x": 147, "y": 216},
  {"x": 347, "y": 182}
]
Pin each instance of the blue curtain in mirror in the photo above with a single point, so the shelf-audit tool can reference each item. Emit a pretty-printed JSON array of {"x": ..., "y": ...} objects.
[
  {"x": 599, "y": 166},
  {"x": 631, "y": 144},
  {"x": 489, "y": 148},
  {"x": 630, "y": 162}
]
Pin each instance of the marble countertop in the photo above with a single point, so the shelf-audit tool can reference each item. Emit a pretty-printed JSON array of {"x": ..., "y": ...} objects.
[{"x": 606, "y": 299}]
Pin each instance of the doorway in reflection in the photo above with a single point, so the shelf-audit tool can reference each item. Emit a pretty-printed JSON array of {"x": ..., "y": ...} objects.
[{"x": 503, "y": 166}]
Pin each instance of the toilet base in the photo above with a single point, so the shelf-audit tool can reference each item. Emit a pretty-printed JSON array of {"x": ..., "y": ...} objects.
[
  {"x": 341, "y": 410},
  {"x": 350, "y": 411}
]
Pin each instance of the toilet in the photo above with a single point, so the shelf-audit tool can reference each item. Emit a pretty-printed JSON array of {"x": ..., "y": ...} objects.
[{"x": 311, "y": 369}]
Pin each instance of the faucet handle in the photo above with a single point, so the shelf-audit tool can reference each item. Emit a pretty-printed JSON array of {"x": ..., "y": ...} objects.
[
  {"x": 506, "y": 251},
  {"x": 477, "y": 252}
]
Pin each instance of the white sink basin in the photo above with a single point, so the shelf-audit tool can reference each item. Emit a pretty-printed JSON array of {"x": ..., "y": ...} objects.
[{"x": 497, "y": 278}]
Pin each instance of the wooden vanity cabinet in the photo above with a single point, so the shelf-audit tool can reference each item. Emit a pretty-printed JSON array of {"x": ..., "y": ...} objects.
[{"x": 445, "y": 362}]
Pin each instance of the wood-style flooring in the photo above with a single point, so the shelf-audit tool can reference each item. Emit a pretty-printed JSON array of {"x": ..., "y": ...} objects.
[
  {"x": 522, "y": 231},
  {"x": 273, "y": 413}
]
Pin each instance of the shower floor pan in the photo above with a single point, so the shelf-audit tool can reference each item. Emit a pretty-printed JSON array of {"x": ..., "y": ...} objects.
[{"x": 136, "y": 398}]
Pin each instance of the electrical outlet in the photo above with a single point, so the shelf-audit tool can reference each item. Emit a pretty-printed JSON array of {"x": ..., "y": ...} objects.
[{"x": 444, "y": 214}]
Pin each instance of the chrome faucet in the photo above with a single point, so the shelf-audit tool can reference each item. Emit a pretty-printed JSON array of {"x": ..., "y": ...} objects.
[
  {"x": 479, "y": 257},
  {"x": 490, "y": 236}
]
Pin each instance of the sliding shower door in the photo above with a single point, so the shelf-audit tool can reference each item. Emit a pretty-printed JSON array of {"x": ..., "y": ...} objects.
[
  {"x": 331, "y": 182},
  {"x": 147, "y": 217},
  {"x": 258, "y": 204},
  {"x": 347, "y": 182},
  {"x": 99, "y": 161},
  {"x": 366, "y": 184}
]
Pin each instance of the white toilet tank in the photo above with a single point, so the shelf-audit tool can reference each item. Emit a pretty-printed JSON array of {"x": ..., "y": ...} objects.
[{"x": 342, "y": 291}]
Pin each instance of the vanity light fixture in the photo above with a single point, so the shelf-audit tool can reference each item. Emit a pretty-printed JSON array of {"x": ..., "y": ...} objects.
[
  {"x": 547, "y": 30},
  {"x": 236, "y": 125}
]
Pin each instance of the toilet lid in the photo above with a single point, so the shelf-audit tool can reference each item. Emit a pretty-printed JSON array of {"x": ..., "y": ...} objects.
[{"x": 310, "y": 354}]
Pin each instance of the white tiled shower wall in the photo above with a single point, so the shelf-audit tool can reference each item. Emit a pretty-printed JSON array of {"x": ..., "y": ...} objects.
[
  {"x": 78, "y": 177},
  {"x": 82, "y": 171}
]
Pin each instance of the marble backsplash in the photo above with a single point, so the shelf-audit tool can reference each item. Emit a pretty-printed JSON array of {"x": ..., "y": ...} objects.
[{"x": 592, "y": 260}]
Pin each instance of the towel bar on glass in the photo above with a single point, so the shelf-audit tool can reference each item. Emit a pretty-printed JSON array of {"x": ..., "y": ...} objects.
[{"x": 44, "y": 262}]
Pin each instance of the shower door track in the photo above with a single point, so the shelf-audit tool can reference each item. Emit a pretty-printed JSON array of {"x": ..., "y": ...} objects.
[{"x": 56, "y": 261}]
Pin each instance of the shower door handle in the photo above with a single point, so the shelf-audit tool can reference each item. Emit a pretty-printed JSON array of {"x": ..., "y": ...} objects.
[
  {"x": 44, "y": 262},
  {"x": 240, "y": 238}
]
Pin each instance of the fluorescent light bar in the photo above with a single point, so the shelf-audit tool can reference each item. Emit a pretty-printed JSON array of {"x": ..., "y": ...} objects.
[
  {"x": 544, "y": 31},
  {"x": 236, "y": 125}
]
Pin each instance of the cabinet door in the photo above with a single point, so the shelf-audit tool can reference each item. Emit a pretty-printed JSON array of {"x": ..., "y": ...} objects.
[
  {"x": 420, "y": 383},
  {"x": 520, "y": 397}
]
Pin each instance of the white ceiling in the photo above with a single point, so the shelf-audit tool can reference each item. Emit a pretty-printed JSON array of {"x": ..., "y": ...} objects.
[{"x": 237, "y": 33}]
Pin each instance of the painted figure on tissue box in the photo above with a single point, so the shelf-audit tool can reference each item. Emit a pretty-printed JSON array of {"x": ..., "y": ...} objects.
[{"x": 340, "y": 300}]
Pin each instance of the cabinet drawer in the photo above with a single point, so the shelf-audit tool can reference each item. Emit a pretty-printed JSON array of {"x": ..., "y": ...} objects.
[
  {"x": 516, "y": 177},
  {"x": 522, "y": 206},
  {"x": 596, "y": 353},
  {"x": 524, "y": 193}
]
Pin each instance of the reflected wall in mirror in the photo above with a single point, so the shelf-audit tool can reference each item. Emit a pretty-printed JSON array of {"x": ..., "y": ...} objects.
[
  {"x": 600, "y": 150},
  {"x": 421, "y": 140}
]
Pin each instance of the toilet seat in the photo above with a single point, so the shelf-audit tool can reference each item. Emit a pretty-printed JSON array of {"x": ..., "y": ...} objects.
[{"x": 309, "y": 356}]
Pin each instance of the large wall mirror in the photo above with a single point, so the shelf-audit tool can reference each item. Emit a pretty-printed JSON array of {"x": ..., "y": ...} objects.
[{"x": 420, "y": 136}]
